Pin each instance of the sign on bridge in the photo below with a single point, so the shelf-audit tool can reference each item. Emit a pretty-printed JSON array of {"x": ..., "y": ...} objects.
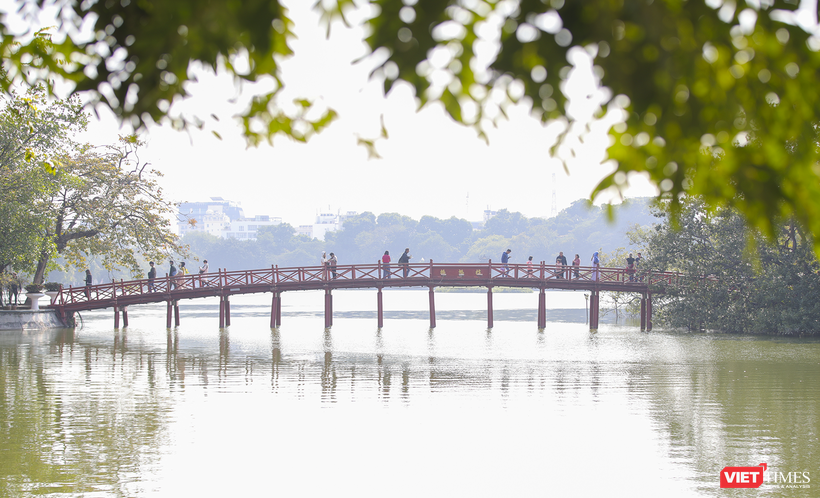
[{"x": 460, "y": 272}]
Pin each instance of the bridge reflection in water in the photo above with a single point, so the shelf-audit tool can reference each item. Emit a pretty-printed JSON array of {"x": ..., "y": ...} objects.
[{"x": 223, "y": 283}]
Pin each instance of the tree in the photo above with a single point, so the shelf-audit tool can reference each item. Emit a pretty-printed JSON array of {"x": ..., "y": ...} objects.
[
  {"x": 276, "y": 238},
  {"x": 35, "y": 129},
  {"x": 753, "y": 285},
  {"x": 488, "y": 248},
  {"x": 685, "y": 82},
  {"x": 627, "y": 302},
  {"x": 506, "y": 223},
  {"x": 20, "y": 225},
  {"x": 107, "y": 203},
  {"x": 432, "y": 246},
  {"x": 455, "y": 231},
  {"x": 33, "y": 132},
  {"x": 349, "y": 241}
]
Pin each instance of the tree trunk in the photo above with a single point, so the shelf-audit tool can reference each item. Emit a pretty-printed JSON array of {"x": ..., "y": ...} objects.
[{"x": 40, "y": 273}]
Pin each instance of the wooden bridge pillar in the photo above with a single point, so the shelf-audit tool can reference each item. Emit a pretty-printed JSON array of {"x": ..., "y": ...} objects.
[
  {"x": 279, "y": 309},
  {"x": 489, "y": 307},
  {"x": 643, "y": 312},
  {"x": 176, "y": 313},
  {"x": 168, "y": 315},
  {"x": 594, "y": 300},
  {"x": 432, "y": 308},
  {"x": 274, "y": 310},
  {"x": 116, "y": 317},
  {"x": 224, "y": 312},
  {"x": 542, "y": 309},
  {"x": 125, "y": 316},
  {"x": 379, "y": 309},
  {"x": 328, "y": 308},
  {"x": 649, "y": 312}
]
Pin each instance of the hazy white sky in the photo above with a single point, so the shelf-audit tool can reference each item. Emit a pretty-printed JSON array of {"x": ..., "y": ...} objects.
[{"x": 429, "y": 165}]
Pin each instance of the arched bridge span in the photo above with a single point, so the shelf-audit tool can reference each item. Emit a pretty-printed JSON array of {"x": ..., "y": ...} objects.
[{"x": 223, "y": 284}]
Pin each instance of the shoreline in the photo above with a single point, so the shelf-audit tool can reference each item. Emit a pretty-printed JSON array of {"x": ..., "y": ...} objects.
[{"x": 26, "y": 319}]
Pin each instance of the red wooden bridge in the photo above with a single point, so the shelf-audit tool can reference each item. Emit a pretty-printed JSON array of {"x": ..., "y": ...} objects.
[{"x": 223, "y": 283}]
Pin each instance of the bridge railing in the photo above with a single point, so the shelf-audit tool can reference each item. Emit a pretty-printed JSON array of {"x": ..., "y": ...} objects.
[{"x": 439, "y": 273}]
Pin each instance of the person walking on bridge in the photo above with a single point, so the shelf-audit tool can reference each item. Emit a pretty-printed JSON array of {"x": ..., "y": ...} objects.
[
  {"x": 172, "y": 272},
  {"x": 562, "y": 260},
  {"x": 505, "y": 261},
  {"x": 332, "y": 263},
  {"x": 88, "y": 280},
  {"x": 576, "y": 263},
  {"x": 181, "y": 273},
  {"x": 152, "y": 275},
  {"x": 203, "y": 270},
  {"x": 404, "y": 262},
  {"x": 386, "y": 264},
  {"x": 595, "y": 263}
]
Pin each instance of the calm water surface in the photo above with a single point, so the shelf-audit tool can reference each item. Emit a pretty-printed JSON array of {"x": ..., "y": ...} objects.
[{"x": 404, "y": 411}]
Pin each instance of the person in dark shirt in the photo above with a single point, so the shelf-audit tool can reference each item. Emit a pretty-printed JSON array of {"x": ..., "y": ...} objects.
[
  {"x": 563, "y": 262},
  {"x": 88, "y": 280},
  {"x": 404, "y": 261},
  {"x": 172, "y": 272},
  {"x": 332, "y": 261},
  {"x": 505, "y": 260},
  {"x": 152, "y": 275}
]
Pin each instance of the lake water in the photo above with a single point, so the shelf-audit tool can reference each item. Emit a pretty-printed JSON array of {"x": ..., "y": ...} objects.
[{"x": 457, "y": 411}]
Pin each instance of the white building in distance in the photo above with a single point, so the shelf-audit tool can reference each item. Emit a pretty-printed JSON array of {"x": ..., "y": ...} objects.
[
  {"x": 208, "y": 216},
  {"x": 226, "y": 219},
  {"x": 325, "y": 222},
  {"x": 246, "y": 228},
  {"x": 220, "y": 218}
]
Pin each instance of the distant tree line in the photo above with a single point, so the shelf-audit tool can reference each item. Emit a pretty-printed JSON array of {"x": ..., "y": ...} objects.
[{"x": 581, "y": 229}]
